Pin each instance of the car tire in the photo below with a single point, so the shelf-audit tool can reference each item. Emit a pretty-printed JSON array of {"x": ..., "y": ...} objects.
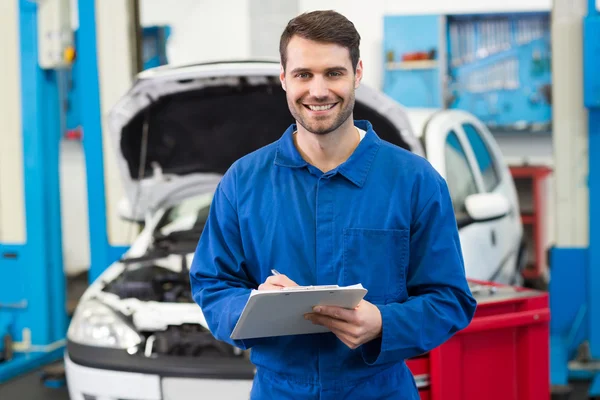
[
  {"x": 539, "y": 283},
  {"x": 561, "y": 392},
  {"x": 520, "y": 264}
]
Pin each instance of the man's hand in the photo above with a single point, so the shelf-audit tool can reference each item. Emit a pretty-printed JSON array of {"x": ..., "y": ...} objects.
[
  {"x": 277, "y": 282},
  {"x": 353, "y": 327}
]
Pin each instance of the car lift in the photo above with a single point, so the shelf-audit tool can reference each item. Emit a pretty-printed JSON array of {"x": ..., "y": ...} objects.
[
  {"x": 33, "y": 315},
  {"x": 33, "y": 310},
  {"x": 575, "y": 268}
]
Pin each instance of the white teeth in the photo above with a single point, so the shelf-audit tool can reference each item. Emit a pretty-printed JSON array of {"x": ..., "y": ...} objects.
[{"x": 321, "y": 108}]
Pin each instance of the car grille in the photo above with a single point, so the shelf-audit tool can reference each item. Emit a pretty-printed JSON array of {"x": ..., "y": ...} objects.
[{"x": 188, "y": 340}]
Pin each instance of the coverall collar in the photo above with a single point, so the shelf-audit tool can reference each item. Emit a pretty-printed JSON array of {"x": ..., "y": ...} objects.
[{"x": 355, "y": 168}]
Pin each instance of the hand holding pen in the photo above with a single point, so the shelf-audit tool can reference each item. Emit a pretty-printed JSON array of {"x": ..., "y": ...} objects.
[{"x": 277, "y": 281}]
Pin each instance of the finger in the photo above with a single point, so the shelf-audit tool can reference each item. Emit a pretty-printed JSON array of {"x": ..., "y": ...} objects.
[
  {"x": 351, "y": 342},
  {"x": 280, "y": 280},
  {"x": 335, "y": 324},
  {"x": 267, "y": 286},
  {"x": 337, "y": 313},
  {"x": 338, "y": 328}
]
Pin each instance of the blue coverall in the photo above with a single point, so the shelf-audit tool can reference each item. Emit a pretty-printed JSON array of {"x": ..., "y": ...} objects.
[{"x": 383, "y": 218}]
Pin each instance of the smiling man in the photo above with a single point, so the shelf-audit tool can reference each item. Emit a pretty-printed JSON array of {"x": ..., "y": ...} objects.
[{"x": 332, "y": 203}]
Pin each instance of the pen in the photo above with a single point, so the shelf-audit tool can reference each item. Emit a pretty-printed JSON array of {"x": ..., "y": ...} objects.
[{"x": 275, "y": 272}]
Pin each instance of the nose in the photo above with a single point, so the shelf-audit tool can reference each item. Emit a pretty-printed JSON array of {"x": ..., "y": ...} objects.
[{"x": 318, "y": 88}]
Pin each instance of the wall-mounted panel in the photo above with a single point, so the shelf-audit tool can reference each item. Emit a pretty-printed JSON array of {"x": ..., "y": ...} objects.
[{"x": 500, "y": 69}]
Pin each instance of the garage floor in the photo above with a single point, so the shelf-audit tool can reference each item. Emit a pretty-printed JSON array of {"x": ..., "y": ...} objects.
[{"x": 30, "y": 387}]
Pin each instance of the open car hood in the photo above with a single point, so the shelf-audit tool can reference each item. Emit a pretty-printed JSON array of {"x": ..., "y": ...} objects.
[{"x": 178, "y": 129}]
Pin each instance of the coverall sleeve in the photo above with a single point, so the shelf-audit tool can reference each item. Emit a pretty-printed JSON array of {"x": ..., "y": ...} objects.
[
  {"x": 439, "y": 299},
  {"x": 219, "y": 282}
]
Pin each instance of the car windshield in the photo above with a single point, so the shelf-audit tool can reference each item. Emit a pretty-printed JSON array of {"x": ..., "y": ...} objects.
[{"x": 189, "y": 216}]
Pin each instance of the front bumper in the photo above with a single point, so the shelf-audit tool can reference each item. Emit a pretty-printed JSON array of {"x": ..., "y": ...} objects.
[{"x": 111, "y": 374}]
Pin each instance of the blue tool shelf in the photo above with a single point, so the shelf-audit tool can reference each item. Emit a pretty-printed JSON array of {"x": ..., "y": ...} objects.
[
  {"x": 496, "y": 66},
  {"x": 414, "y": 83}
]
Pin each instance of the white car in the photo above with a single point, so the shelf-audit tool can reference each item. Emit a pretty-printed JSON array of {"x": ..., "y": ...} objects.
[{"x": 137, "y": 333}]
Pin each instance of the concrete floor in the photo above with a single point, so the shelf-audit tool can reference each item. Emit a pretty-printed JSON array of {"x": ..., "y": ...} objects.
[{"x": 30, "y": 387}]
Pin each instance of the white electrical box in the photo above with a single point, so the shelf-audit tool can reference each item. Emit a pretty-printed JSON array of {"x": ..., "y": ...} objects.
[{"x": 55, "y": 34}]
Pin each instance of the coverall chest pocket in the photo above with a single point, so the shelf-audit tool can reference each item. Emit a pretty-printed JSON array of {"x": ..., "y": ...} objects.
[{"x": 378, "y": 259}]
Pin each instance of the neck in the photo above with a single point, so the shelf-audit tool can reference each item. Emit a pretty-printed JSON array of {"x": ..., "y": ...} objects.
[{"x": 328, "y": 151}]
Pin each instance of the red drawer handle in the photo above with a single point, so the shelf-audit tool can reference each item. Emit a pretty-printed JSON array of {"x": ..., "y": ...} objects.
[{"x": 508, "y": 320}]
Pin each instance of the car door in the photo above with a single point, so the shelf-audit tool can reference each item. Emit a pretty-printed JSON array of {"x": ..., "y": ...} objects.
[
  {"x": 506, "y": 232},
  {"x": 449, "y": 151}
]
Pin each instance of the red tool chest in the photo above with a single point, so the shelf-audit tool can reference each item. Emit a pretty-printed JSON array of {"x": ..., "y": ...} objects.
[{"x": 502, "y": 355}]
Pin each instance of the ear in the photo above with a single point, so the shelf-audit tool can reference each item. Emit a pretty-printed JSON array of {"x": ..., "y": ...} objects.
[
  {"x": 282, "y": 77},
  {"x": 359, "y": 74}
]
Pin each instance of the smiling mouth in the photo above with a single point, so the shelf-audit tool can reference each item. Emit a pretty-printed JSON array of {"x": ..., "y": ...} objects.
[{"x": 323, "y": 107}]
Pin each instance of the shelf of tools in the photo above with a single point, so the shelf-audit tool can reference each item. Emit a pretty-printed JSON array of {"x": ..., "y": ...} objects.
[{"x": 495, "y": 66}]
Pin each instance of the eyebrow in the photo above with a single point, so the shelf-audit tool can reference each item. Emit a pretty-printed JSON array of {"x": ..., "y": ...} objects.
[{"x": 301, "y": 70}]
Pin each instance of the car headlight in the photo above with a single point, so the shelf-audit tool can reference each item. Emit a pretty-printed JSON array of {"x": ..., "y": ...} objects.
[{"x": 95, "y": 324}]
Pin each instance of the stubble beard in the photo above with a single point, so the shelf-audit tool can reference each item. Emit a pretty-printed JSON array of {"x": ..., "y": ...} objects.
[{"x": 322, "y": 128}]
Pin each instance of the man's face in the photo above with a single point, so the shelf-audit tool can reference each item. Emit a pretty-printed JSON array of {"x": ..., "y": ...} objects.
[{"x": 319, "y": 82}]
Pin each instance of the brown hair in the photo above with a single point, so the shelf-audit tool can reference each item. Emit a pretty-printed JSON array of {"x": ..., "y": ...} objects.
[{"x": 325, "y": 27}]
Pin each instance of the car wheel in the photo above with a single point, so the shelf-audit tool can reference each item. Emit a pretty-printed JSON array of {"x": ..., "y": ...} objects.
[
  {"x": 520, "y": 264},
  {"x": 540, "y": 284},
  {"x": 561, "y": 392}
]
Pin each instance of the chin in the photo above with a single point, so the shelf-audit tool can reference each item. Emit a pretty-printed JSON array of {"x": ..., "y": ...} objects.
[{"x": 320, "y": 130}]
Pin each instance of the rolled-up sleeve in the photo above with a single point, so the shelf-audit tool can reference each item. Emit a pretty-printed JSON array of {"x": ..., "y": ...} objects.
[
  {"x": 219, "y": 282},
  {"x": 440, "y": 302}
]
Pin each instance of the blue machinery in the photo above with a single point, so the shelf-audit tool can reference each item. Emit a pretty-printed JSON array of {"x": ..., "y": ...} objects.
[
  {"x": 33, "y": 312},
  {"x": 32, "y": 288},
  {"x": 32, "y": 294},
  {"x": 575, "y": 282}
]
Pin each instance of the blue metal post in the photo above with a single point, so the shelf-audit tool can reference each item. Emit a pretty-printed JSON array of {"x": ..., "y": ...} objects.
[
  {"x": 36, "y": 265},
  {"x": 591, "y": 63},
  {"x": 87, "y": 79}
]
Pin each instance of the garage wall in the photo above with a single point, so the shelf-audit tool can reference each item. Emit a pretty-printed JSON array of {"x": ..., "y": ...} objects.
[
  {"x": 268, "y": 19},
  {"x": 202, "y": 30},
  {"x": 115, "y": 76}
]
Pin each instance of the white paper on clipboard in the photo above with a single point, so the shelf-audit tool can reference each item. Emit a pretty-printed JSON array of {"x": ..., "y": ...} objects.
[{"x": 281, "y": 312}]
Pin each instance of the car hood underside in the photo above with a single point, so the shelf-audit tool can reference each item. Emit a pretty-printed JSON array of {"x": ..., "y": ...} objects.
[{"x": 193, "y": 125}]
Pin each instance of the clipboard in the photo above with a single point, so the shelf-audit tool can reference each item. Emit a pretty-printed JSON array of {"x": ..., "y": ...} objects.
[{"x": 269, "y": 313}]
